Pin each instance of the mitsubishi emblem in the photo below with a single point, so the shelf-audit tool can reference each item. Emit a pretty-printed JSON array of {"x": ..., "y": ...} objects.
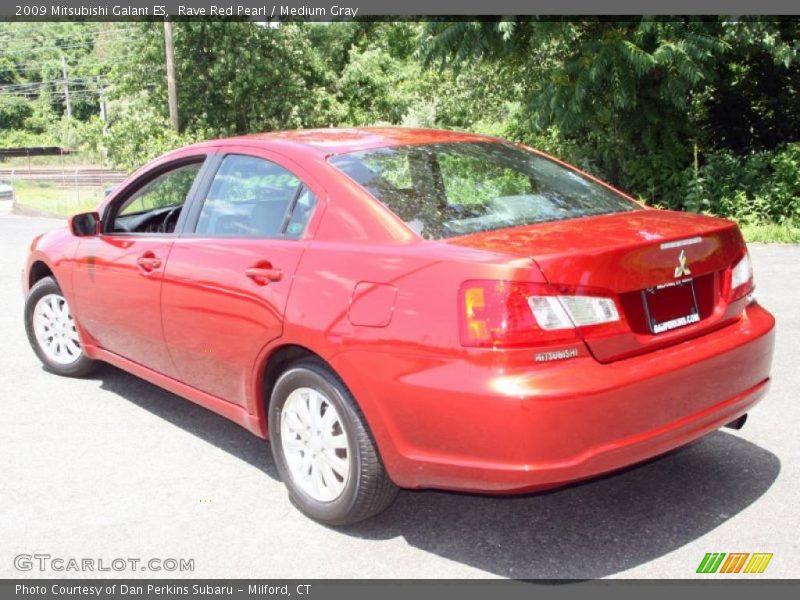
[{"x": 682, "y": 269}]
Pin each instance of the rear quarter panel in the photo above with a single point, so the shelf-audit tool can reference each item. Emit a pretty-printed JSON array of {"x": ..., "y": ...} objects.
[{"x": 422, "y": 333}]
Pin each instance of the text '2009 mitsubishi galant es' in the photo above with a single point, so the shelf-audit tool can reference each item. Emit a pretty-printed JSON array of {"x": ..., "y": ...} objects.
[{"x": 408, "y": 308}]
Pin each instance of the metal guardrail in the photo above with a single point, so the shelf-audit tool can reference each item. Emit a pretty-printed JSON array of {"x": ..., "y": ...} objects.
[
  {"x": 58, "y": 190},
  {"x": 65, "y": 176},
  {"x": 34, "y": 151}
]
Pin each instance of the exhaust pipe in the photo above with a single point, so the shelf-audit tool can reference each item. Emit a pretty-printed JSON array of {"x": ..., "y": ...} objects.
[{"x": 737, "y": 423}]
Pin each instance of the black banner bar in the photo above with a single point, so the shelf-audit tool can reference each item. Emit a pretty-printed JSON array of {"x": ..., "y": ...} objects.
[
  {"x": 389, "y": 589},
  {"x": 321, "y": 10}
]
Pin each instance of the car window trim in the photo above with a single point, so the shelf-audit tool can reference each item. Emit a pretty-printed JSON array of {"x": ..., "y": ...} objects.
[
  {"x": 287, "y": 216},
  {"x": 111, "y": 211},
  {"x": 193, "y": 218},
  {"x": 204, "y": 181}
]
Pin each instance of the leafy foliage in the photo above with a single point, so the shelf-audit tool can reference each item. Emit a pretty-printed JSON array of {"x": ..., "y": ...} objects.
[{"x": 633, "y": 100}]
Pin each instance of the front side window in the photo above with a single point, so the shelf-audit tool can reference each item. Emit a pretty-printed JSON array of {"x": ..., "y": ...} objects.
[
  {"x": 446, "y": 190},
  {"x": 156, "y": 206},
  {"x": 253, "y": 197}
]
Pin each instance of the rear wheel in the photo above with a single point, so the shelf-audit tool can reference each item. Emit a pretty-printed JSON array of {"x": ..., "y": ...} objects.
[
  {"x": 51, "y": 331},
  {"x": 323, "y": 449}
]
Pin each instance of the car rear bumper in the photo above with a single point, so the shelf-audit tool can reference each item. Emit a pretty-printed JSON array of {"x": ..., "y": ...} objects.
[{"x": 460, "y": 424}]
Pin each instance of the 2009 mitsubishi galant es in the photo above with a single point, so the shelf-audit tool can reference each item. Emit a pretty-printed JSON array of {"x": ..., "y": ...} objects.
[{"x": 408, "y": 308}]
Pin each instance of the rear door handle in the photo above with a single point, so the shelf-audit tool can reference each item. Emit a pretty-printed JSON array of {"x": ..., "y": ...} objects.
[
  {"x": 148, "y": 262},
  {"x": 263, "y": 275}
]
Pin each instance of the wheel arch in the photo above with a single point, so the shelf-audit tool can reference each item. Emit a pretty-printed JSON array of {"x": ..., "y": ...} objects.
[
  {"x": 274, "y": 363},
  {"x": 38, "y": 271}
]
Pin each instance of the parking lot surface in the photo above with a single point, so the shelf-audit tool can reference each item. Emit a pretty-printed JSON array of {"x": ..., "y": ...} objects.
[{"x": 113, "y": 467}]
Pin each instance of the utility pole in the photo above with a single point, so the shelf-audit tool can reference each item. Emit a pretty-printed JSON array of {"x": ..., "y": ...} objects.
[
  {"x": 103, "y": 110},
  {"x": 104, "y": 117},
  {"x": 171, "y": 94},
  {"x": 66, "y": 85}
]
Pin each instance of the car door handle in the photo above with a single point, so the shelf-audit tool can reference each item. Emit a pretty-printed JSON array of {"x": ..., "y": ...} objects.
[
  {"x": 148, "y": 262},
  {"x": 263, "y": 275}
]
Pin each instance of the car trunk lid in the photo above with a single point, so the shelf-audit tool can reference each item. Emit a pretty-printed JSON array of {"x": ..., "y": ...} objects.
[{"x": 653, "y": 262}]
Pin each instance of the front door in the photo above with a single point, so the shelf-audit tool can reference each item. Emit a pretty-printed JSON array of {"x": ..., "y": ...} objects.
[
  {"x": 229, "y": 275},
  {"x": 117, "y": 275}
]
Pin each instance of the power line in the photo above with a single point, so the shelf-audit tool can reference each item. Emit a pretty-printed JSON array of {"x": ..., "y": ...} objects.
[
  {"x": 83, "y": 94},
  {"x": 79, "y": 36},
  {"x": 55, "y": 60},
  {"x": 34, "y": 84},
  {"x": 35, "y": 49},
  {"x": 75, "y": 40},
  {"x": 54, "y": 63},
  {"x": 60, "y": 80}
]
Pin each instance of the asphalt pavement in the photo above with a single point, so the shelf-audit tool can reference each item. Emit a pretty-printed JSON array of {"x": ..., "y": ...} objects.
[{"x": 112, "y": 467}]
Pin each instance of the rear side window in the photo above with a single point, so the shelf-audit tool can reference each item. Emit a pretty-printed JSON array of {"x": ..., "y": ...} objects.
[
  {"x": 446, "y": 190},
  {"x": 254, "y": 197}
]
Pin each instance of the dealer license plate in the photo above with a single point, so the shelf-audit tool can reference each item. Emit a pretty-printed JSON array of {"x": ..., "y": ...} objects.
[{"x": 670, "y": 306}]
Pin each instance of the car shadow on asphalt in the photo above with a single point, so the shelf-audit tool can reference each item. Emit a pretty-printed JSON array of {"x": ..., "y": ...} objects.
[{"x": 592, "y": 529}]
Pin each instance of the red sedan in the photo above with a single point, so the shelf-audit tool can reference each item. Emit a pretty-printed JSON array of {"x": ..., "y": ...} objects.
[{"x": 408, "y": 308}]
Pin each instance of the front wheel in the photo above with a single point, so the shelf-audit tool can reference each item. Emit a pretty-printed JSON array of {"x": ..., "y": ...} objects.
[
  {"x": 51, "y": 331},
  {"x": 323, "y": 449}
]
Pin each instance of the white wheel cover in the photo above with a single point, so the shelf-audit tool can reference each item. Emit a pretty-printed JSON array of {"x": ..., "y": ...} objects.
[
  {"x": 314, "y": 444},
  {"x": 55, "y": 330}
]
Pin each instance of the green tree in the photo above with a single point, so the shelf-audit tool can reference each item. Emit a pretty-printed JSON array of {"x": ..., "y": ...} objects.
[
  {"x": 232, "y": 77},
  {"x": 634, "y": 98}
]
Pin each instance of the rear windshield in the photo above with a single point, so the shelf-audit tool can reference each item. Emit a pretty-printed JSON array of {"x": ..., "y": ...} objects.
[{"x": 446, "y": 190}]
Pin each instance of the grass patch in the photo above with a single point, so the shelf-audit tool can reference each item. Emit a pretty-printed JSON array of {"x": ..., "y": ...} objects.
[
  {"x": 56, "y": 199},
  {"x": 781, "y": 233}
]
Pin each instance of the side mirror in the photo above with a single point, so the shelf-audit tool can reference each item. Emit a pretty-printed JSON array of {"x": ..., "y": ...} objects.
[{"x": 85, "y": 224}]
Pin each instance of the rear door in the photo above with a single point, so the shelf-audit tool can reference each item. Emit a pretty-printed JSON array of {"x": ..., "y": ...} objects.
[{"x": 229, "y": 275}]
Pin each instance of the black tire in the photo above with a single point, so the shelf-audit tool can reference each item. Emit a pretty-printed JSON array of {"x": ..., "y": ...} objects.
[
  {"x": 368, "y": 490},
  {"x": 79, "y": 367}
]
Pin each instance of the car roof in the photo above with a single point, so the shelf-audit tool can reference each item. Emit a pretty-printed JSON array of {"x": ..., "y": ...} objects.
[{"x": 339, "y": 141}]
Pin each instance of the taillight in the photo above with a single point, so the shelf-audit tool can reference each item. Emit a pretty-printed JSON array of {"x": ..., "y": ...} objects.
[
  {"x": 503, "y": 314},
  {"x": 567, "y": 312},
  {"x": 741, "y": 282}
]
